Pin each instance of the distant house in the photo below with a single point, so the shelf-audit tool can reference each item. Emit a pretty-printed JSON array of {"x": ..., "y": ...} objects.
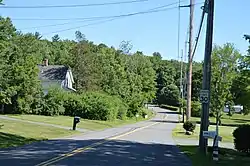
[
  {"x": 55, "y": 76},
  {"x": 237, "y": 109}
]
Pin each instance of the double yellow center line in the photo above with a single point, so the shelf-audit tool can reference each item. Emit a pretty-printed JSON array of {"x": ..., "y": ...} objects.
[{"x": 79, "y": 150}]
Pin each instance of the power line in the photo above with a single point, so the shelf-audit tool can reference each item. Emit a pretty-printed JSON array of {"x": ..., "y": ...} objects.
[
  {"x": 96, "y": 17},
  {"x": 200, "y": 27},
  {"x": 73, "y": 6},
  {"x": 121, "y": 16},
  {"x": 54, "y": 25},
  {"x": 100, "y": 22},
  {"x": 96, "y": 23},
  {"x": 88, "y": 19}
]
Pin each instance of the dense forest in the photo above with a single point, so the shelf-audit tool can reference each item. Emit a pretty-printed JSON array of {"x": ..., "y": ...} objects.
[{"x": 111, "y": 83}]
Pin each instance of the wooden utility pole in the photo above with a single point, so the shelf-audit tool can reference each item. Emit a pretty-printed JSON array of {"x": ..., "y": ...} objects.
[
  {"x": 181, "y": 85},
  {"x": 206, "y": 82},
  {"x": 190, "y": 61}
]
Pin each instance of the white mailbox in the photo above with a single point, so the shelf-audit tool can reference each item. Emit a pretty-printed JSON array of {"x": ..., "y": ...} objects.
[{"x": 211, "y": 134}]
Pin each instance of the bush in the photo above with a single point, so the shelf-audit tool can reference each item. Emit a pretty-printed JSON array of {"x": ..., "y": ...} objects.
[
  {"x": 242, "y": 138},
  {"x": 143, "y": 112},
  {"x": 88, "y": 105},
  {"x": 74, "y": 105},
  {"x": 169, "y": 107},
  {"x": 189, "y": 126},
  {"x": 95, "y": 106},
  {"x": 196, "y": 109},
  {"x": 52, "y": 103}
]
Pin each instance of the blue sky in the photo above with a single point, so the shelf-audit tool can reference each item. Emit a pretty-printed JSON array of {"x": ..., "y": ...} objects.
[{"x": 148, "y": 33}]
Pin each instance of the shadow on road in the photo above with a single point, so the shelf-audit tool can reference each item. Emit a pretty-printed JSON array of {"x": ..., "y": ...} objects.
[
  {"x": 113, "y": 153},
  {"x": 165, "y": 121},
  {"x": 169, "y": 112}
]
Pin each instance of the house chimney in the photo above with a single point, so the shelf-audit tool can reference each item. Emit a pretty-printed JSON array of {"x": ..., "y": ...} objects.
[{"x": 46, "y": 62}]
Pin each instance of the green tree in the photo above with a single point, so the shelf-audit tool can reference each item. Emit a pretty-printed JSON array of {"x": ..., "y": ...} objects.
[
  {"x": 169, "y": 95},
  {"x": 224, "y": 66},
  {"x": 240, "y": 88},
  {"x": 55, "y": 38}
]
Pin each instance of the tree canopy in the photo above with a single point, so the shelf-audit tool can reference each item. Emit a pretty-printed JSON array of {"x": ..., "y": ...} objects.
[{"x": 133, "y": 78}]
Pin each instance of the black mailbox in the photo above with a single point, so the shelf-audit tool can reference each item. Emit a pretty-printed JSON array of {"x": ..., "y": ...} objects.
[{"x": 75, "y": 121}]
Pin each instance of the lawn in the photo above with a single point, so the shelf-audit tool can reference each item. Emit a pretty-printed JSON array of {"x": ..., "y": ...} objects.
[
  {"x": 236, "y": 119},
  {"x": 84, "y": 124},
  {"x": 227, "y": 157},
  {"x": 15, "y": 133},
  {"x": 224, "y": 131}
]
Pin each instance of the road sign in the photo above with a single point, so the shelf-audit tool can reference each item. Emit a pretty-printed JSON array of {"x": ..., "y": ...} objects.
[{"x": 204, "y": 96}]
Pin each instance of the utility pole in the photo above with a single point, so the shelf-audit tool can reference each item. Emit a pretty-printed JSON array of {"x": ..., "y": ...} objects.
[
  {"x": 206, "y": 82},
  {"x": 181, "y": 86},
  {"x": 190, "y": 59},
  {"x": 185, "y": 79}
]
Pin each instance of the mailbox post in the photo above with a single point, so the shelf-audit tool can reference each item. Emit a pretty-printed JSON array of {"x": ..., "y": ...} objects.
[
  {"x": 75, "y": 121},
  {"x": 216, "y": 138}
]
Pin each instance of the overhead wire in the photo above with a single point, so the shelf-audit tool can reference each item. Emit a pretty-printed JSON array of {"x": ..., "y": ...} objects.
[
  {"x": 73, "y": 6},
  {"x": 200, "y": 28},
  {"x": 121, "y": 16},
  {"x": 100, "y": 22},
  {"x": 96, "y": 17},
  {"x": 87, "y": 19}
]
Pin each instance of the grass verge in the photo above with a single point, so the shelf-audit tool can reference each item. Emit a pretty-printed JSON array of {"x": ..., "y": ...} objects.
[
  {"x": 15, "y": 133},
  {"x": 224, "y": 131},
  {"x": 84, "y": 124},
  {"x": 227, "y": 157},
  {"x": 235, "y": 120}
]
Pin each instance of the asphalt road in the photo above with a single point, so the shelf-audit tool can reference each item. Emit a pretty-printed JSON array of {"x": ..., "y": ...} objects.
[{"x": 145, "y": 143}]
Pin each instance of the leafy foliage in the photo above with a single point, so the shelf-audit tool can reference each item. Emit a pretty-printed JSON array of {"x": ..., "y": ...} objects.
[
  {"x": 224, "y": 71},
  {"x": 241, "y": 138},
  {"x": 169, "y": 95},
  {"x": 116, "y": 82},
  {"x": 196, "y": 109},
  {"x": 189, "y": 126}
]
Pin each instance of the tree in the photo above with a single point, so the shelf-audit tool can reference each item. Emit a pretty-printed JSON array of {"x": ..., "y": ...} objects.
[
  {"x": 55, "y": 38},
  {"x": 38, "y": 35},
  {"x": 240, "y": 88},
  {"x": 169, "y": 95},
  {"x": 80, "y": 37},
  {"x": 196, "y": 80},
  {"x": 125, "y": 47},
  {"x": 224, "y": 67}
]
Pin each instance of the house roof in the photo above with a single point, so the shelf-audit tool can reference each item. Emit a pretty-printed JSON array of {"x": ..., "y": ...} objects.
[{"x": 52, "y": 72}]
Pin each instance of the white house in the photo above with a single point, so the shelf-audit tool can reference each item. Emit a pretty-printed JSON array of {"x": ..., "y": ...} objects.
[{"x": 55, "y": 75}]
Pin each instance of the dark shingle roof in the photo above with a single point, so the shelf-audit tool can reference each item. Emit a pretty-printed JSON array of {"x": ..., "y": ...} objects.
[{"x": 52, "y": 72}]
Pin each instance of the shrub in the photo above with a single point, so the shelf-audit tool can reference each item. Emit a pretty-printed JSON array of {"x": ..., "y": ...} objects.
[
  {"x": 242, "y": 138},
  {"x": 142, "y": 112},
  {"x": 52, "y": 103},
  {"x": 196, "y": 109},
  {"x": 169, "y": 107},
  {"x": 74, "y": 105},
  {"x": 189, "y": 126},
  {"x": 95, "y": 106},
  {"x": 122, "y": 108}
]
